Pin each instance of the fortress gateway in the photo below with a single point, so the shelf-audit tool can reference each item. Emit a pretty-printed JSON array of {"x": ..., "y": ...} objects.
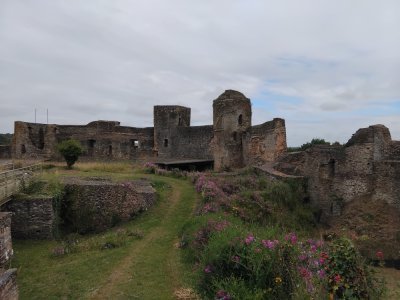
[{"x": 231, "y": 141}]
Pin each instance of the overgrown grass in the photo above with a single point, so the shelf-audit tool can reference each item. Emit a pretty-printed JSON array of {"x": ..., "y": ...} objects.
[{"x": 105, "y": 167}]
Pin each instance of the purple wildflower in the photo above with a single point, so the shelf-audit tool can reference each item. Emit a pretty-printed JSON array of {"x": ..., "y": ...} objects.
[
  {"x": 207, "y": 269},
  {"x": 270, "y": 244},
  {"x": 292, "y": 238},
  {"x": 249, "y": 239},
  {"x": 236, "y": 258}
]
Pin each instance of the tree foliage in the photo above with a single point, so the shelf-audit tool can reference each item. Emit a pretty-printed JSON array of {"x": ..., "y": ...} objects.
[
  {"x": 314, "y": 141},
  {"x": 71, "y": 150},
  {"x": 5, "y": 138}
]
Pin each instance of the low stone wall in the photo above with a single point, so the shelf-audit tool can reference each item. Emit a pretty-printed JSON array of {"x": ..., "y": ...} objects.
[
  {"x": 88, "y": 206},
  {"x": 6, "y": 250},
  {"x": 95, "y": 205},
  {"x": 33, "y": 217},
  {"x": 8, "y": 285}
]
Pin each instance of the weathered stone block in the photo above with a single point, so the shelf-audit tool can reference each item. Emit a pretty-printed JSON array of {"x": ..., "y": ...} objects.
[
  {"x": 8, "y": 285},
  {"x": 32, "y": 217},
  {"x": 6, "y": 250}
]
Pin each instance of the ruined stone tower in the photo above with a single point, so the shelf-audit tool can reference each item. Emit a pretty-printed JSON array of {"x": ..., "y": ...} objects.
[
  {"x": 167, "y": 120},
  {"x": 231, "y": 121}
]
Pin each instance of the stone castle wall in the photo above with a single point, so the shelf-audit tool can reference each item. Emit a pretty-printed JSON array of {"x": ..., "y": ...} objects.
[
  {"x": 95, "y": 205},
  {"x": 175, "y": 139},
  {"x": 367, "y": 166},
  {"x": 100, "y": 139},
  {"x": 33, "y": 217},
  {"x": 266, "y": 142},
  {"x": 8, "y": 277},
  {"x": 89, "y": 205},
  {"x": 6, "y": 251},
  {"x": 231, "y": 141},
  {"x": 192, "y": 142}
]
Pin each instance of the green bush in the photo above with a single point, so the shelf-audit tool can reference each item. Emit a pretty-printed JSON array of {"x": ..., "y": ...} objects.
[
  {"x": 314, "y": 141},
  {"x": 70, "y": 150},
  {"x": 236, "y": 261}
]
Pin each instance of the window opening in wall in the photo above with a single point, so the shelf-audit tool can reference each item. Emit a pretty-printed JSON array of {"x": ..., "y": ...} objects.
[
  {"x": 41, "y": 138},
  {"x": 91, "y": 144},
  {"x": 110, "y": 150},
  {"x": 134, "y": 143},
  {"x": 180, "y": 121},
  {"x": 240, "y": 120},
  {"x": 331, "y": 167},
  {"x": 165, "y": 142},
  {"x": 23, "y": 149},
  {"x": 234, "y": 136}
]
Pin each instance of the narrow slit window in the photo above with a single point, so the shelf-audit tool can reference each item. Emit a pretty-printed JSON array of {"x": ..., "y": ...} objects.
[
  {"x": 165, "y": 142},
  {"x": 240, "y": 120},
  {"x": 234, "y": 136},
  {"x": 331, "y": 166}
]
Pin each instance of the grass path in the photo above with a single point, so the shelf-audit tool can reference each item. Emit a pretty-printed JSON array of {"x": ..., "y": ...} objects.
[
  {"x": 134, "y": 270},
  {"x": 149, "y": 268}
]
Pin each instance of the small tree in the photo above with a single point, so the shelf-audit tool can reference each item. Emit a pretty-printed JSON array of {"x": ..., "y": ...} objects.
[{"x": 70, "y": 149}]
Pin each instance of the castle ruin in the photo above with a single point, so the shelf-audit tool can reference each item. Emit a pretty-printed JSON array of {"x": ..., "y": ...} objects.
[
  {"x": 366, "y": 168},
  {"x": 231, "y": 142}
]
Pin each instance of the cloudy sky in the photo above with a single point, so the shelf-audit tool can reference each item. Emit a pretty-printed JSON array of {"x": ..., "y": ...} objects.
[{"x": 327, "y": 67}]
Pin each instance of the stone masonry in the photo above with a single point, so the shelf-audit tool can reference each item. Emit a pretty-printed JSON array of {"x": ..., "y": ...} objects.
[
  {"x": 8, "y": 283},
  {"x": 231, "y": 141},
  {"x": 33, "y": 217},
  {"x": 367, "y": 166},
  {"x": 95, "y": 205}
]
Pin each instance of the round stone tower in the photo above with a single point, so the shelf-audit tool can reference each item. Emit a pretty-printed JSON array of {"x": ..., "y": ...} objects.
[{"x": 231, "y": 120}]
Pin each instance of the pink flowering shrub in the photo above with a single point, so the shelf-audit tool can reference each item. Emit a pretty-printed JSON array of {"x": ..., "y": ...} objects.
[
  {"x": 150, "y": 167},
  {"x": 244, "y": 265},
  {"x": 209, "y": 189}
]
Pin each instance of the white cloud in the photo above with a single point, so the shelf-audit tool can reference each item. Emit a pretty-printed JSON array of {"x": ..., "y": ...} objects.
[{"x": 116, "y": 59}]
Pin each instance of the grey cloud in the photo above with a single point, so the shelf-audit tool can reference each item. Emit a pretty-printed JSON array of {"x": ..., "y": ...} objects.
[{"x": 116, "y": 59}]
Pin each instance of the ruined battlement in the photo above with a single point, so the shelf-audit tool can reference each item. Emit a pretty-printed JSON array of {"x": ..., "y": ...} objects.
[
  {"x": 231, "y": 141},
  {"x": 367, "y": 166}
]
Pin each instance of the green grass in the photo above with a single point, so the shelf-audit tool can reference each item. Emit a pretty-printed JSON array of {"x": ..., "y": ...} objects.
[{"x": 138, "y": 268}]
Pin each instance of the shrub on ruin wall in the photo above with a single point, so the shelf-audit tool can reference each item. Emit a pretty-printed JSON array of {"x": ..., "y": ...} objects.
[{"x": 70, "y": 150}]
